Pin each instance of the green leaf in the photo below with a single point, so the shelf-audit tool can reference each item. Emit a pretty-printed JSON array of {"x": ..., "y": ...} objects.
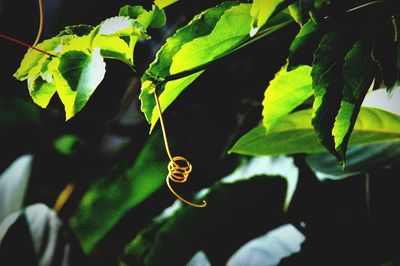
[
  {"x": 303, "y": 46},
  {"x": 358, "y": 74},
  {"x": 121, "y": 188},
  {"x": 154, "y": 19},
  {"x": 285, "y": 92},
  {"x": 67, "y": 144},
  {"x": 261, "y": 11},
  {"x": 120, "y": 26},
  {"x": 299, "y": 10},
  {"x": 229, "y": 207},
  {"x": 17, "y": 113},
  {"x": 294, "y": 134},
  {"x": 201, "y": 25},
  {"x": 33, "y": 57},
  {"x": 115, "y": 47},
  {"x": 77, "y": 75},
  {"x": 164, "y": 3},
  {"x": 40, "y": 83},
  {"x": 78, "y": 30},
  {"x": 328, "y": 83},
  {"x": 385, "y": 53},
  {"x": 358, "y": 159},
  {"x": 171, "y": 91},
  {"x": 229, "y": 32}
]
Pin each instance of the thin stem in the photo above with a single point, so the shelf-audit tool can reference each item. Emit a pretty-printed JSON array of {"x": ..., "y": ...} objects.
[
  {"x": 40, "y": 30},
  {"x": 25, "y": 44},
  {"x": 38, "y": 35},
  {"x": 163, "y": 126}
]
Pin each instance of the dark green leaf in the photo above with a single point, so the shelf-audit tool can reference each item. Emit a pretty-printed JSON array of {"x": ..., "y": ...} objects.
[
  {"x": 210, "y": 228},
  {"x": 78, "y": 30},
  {"x": 303, "y": 46},
  {"x": 294, "y": 134},
  {"x": 358, "y": 74},
  {"x": 328, "y": 83},
  {"x": 18, "y": 112},
  {"x": 119, "y": 190},
  {"x": 385, "y": 53},
  {"x": 358, "y": 159},
  {"x": 285, "y": 92}
]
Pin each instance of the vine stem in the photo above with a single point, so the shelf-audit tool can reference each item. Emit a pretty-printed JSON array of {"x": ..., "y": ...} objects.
[
  {"x": 38, "y": 35},
  {"x": 25, "y": 44}
]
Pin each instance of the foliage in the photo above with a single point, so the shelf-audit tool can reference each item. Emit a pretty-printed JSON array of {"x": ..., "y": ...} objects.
[{"x": 295, "y": 78}]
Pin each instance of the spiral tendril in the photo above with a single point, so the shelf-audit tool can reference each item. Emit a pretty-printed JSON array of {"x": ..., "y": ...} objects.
[{"x": 179, "y": 167}]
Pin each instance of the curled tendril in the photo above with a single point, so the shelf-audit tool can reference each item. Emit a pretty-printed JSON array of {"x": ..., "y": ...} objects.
[{"x": 179, "y": 167}]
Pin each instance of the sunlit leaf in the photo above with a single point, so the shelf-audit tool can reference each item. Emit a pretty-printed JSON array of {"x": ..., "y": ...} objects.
[
  {"x": 201, "y": 25},
  {"x": 261, "y": 11},
  {"x": 40, "y": 83},
  {"x": 82, "y": 73},
  {"x": 231, "y": 30},
  {"x": 154, "y": 18},
  {"x": 164, "y": 3},
  {"x": 115, "y": 47},
  {"x": 294, "y": 134},
  {"x": 33, "y": 57},
  {"x": 286, "y": 92},
  {"x": 120, "y": 26}
]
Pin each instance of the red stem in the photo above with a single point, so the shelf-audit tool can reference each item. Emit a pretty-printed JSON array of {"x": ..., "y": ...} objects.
[{"x": 24, "y": 44}]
